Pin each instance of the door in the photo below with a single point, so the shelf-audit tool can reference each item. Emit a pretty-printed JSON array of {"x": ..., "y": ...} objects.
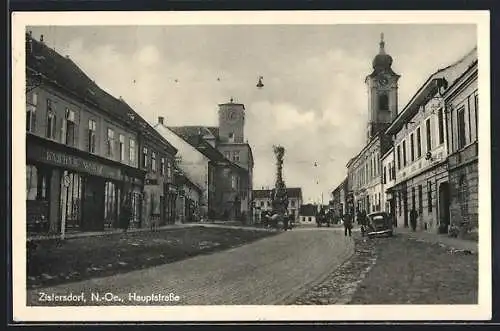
[
  {"x": 405, "y": 208},
  {"x": 93, "y": 204},
  {"x": 444, "y": 204}
]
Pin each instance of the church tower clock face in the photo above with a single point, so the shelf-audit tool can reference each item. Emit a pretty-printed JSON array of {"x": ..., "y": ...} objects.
[{"x": 383, "y": 81}]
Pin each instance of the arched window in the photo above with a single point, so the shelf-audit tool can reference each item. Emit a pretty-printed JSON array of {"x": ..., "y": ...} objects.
[{"x": 383, "y": 102}]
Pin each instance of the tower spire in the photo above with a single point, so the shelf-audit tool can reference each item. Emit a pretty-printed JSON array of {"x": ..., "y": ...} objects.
[{"x": 382, "y": 44}]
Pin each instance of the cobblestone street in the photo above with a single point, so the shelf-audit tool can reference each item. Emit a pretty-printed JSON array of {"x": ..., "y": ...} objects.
[
  {"x": 399, "y": 270},
  {"x": 270, "y": 271}
]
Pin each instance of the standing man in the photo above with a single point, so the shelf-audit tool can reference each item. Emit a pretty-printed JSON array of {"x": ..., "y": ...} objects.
[
  {"x": 347, "y": 224},
  {"x": 413, "y": 219}
]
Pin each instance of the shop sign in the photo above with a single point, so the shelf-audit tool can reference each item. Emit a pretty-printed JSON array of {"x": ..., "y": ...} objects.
[{"x": 72, "y": 162}]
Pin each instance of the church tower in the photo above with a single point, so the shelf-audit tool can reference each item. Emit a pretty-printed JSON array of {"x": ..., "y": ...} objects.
[
  {"x": 231, "y": 122},
  {"x": 382, "y": 85}
]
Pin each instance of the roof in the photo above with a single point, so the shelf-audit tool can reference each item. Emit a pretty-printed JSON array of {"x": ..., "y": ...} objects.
[
  {"x": 443, "y": 78},
  {"x": 195, "y": 130},
  {"x": 292, "y": 192},
  {"x": 308, "y": 210},
  {"x": 182, "y": 178},
  {"x": 66, "y": 75}
]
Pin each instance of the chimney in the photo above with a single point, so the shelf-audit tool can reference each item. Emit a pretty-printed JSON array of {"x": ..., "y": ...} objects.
[
  {"x": 41, "y": 38},
  {"x": 160, "y": 119}
]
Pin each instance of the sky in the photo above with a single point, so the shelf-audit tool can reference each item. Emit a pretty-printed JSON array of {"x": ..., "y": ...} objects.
[{"x": 314, "y": 100}]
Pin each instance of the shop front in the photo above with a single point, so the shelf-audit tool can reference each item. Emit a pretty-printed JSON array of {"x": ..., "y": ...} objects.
[{"x": 70, "y": 190}]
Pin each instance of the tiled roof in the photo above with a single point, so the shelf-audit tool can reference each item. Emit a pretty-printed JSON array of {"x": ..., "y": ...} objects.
[
  {"x": 292, "y": 192},
  {"x": 64, "y": 73}
]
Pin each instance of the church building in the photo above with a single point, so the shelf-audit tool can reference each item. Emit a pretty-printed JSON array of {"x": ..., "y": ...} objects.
[{"x": 364, "y": 170}]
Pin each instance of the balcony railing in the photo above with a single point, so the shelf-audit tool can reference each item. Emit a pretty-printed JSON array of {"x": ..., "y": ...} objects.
[{"x": 465, "y": 155}]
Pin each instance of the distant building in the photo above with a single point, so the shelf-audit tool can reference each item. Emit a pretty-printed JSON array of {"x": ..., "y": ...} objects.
[
  {"x": 339, "y": 200},
  {"x": 308, "y": 214},
  {"x": 188, "y": 199},
  {"x": 263, "y": 201}
]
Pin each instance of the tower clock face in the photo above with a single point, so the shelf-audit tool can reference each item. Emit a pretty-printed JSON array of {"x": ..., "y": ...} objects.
[
  {"x": 383, "y": 81},
  {"x": 232, "y": 116}
]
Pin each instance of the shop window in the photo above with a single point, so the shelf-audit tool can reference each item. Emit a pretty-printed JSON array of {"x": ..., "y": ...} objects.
[
  {"x": 122, "y": 147},
  {"x": 110, "y": 142},
  {"x": 31, "y": 113},
  {"x": 68, "y": 128},
  {"x": 441, "y": 126},
  {"x": 51, "y": 120},
  {"x": 145, "y": 157},
  {"x": 419, "y": 144},
  {"x": 153, "y": 161},
  {"x": 110, "y": 205},
  {"x": 71, "y": 199},
  {"x": 131, "y": 152},
  {"x": 92, "y": 136},
  {"x": 36, "y": 183}
]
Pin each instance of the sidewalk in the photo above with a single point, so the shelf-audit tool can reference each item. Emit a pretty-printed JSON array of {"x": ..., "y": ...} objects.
[
  {"x": 440, "y": 239},
  {"x": 72, "y": 235}
]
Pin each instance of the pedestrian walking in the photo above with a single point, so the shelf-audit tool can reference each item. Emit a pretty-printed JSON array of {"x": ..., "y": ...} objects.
[
  {"x": 348, "y": 225},
  {"x": 125, "y": 213},
  {"x": 413, "y": 219}
]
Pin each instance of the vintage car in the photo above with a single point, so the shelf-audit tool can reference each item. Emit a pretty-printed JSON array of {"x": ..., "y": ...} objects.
[{"x": 379, "y": 224}]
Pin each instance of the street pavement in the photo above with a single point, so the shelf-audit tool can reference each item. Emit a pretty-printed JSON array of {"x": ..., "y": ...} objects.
[{"x": 270, "y": 271}]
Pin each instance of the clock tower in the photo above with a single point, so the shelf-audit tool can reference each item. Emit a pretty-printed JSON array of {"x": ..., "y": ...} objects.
[
  {"x": 382, "y": 85},
  {"x": 231, "y": 122}
]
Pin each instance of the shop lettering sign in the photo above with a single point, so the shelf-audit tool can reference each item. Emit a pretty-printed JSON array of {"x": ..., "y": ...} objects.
[{"x": 73, "y": 162}]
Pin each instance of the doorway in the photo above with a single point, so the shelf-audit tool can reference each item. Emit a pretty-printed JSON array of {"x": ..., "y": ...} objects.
[
  {"x": 93, "y": 204},
  {"x": 405, "y": 208},
  {"x": 444, "y": 205},
  {"x": 71, "y": 201}
]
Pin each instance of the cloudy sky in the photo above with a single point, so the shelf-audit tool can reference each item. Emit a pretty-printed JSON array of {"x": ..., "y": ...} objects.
[{"x": 314, "y": 100}]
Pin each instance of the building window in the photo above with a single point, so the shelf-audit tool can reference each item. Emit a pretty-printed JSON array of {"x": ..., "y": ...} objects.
[
  {"x": 162, "y": 166},
  {"x": 404, "y": 153},
  {"x": 233, "y": 182},
  {"x": 420, "y": 202},
  {"x": 476, "y": 109},
  {"x": 131, "y": 151},
  {"x": 262, "y": 203},
  {"x": 384, "y": 181},
  {"x": 231, "y": 136},
  {"x": 31, "y": 113},
  {"x": 441, "y": 126},
  {"x": 461, "y": 128},
  {"x": 110, "y": 142},
  {"x": 92, "y": 136},
  {"x": 169, "y": 170},
  {"x": 36, "y": 183},
  {"x": 236, "y": 156},
  {"x": 429, "y": 196},
  {"x": 428, "y": 134},
  {"x": 227, "y": 155},
  {"x": 51, "y": 120},
  {"x": 153, "y": 161},
  {"x": 122, "y": 147},
  {"x": 145, "y": 157},
  {"x": 69, "y": 128},
  {"x": 399, "y": 157},
  {"x": 413, "y": 197},
  {"x": 269, "y": 203},
  {"x": 419, "y": 144},
  {"x": 293, "y": 203},
  {"x": 412, "y": 147},
  {"x": 383, "y": 102}
]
